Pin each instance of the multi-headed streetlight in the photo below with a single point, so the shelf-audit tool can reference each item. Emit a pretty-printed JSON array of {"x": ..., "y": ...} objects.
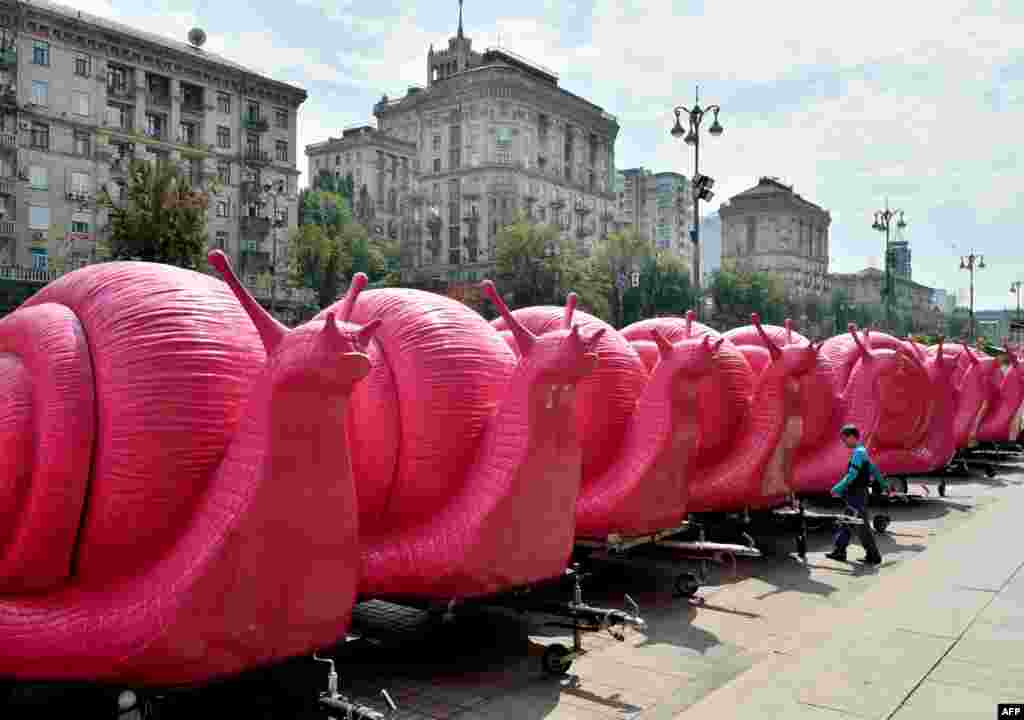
[
  {"x": 702, "y": 184},
  {"x": 971, "y": 263},
  {"x": 275, "y": 191},
  {"x": 1015, "y": 288},
  {"x": 883, "y": 223}
]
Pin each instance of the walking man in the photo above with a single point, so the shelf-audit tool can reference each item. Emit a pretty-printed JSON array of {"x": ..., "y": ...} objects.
[{"x": 854, "y": 489}]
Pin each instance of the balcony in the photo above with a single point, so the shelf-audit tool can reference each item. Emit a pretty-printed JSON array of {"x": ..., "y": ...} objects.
[
  {"x": 24, "y": 274},
  {"x": 255, "y": 225},
  {"x": 78, "y": 196},
  {"x": 7, "y": 229},
  {"x": 125, "y": 91},
  {"x": 256, "y": 124},
  {"x": 6, "y": 187},
  {"x": 9, "y": 96},
  {"x": 154, "y": 99},
  {"x": 8, "y": 57},
  {"x": 8, "y": 140},
  {"x": 257, "y": 157}
]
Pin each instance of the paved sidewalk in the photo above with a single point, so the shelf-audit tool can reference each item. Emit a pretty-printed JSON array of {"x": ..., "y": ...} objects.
[{"x": 939, "y": 636}]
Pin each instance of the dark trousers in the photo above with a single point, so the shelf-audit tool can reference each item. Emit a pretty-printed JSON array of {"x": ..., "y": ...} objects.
[{"x": 857, "y": 505}]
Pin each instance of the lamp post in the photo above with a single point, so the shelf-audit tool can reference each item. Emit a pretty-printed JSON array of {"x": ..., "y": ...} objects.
[
  {"x": 701, "y": 183},
  {"x": 1015, "y": 288},
  {"x": 275, "y": 191},
  {"x": 883, "y": 223},
  {"x": 970, "y": 263}
]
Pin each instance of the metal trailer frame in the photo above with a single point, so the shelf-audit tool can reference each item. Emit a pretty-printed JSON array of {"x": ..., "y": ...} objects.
[
  {"x": 334, "y": 700},
  {"x": 616, "y": 548},
  {"x": 574, "y": 614},
  {"x": 879, "y": 523}
]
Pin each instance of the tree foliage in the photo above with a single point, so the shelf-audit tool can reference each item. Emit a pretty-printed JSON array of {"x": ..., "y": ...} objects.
[
  {"x": 160, "y": 217},
  {"x": 664, "y": 289},
  {"x": 738, "y": 293},
  {"x": 616, "y": 258},
  {"x": 539, "y": 266},
  {"x": 328, "y": 248}
]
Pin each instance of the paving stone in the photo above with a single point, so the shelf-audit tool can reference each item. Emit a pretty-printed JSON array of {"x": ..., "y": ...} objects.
[
  {"x": 938, "y": 700},
  {"x": 1001, "y": 681}
]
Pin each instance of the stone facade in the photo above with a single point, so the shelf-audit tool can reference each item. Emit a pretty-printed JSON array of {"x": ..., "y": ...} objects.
[
  {"x": 81, "y": 96},
  {"x": 772, "y": 229},
  {"x": 495, "y": 135},
  {"x": 382, "y": 169},
  {"x": 913, "y": 299}
]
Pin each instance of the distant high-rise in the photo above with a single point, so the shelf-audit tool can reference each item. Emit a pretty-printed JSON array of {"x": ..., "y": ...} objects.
[
  {"x": 899, "y": 251},
  {"x": 658, "y": 207}
]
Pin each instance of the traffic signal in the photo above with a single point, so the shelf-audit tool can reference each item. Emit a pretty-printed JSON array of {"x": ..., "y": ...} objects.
[{"x": 702, "y": 185}]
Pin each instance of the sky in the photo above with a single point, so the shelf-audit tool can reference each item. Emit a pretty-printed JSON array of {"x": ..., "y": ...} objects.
[{"x": 920, "y": 105}]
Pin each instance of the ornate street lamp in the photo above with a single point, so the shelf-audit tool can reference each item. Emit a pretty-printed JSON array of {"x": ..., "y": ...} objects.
[
  {"x": 702, "y": 184},
  {"x": 883, "y": 223},
  {"x": 971, "y": 263}
]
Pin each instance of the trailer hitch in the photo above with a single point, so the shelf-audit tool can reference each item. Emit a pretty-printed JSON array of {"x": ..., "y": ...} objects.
[{"x": 351, "y": 709}]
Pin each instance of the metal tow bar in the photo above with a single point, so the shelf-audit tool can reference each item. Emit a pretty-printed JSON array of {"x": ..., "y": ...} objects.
[
  {"x": 557, "y": 658},
  {"x": 351, "y": 710}
]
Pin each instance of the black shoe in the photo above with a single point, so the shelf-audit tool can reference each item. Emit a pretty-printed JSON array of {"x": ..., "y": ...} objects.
[
  {"x": 871, "y": 560},
  {"x": 836, "y": 555}
]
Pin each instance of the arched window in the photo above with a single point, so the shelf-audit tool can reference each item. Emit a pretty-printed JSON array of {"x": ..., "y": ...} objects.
[{"x": 392, "y": 201}]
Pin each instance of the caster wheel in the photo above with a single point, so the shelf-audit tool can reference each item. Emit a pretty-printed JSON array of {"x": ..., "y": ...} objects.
[
  {"x": 687, "y": 585},
  {"x": 801, "y": 545},
  {"x": 942, "y": 489},
  {"x": 990, "y": 472},
  {"x": 904, "y": 486},
  {"x": 556, "y": 660},
  {"x": 880, "y": 523}
]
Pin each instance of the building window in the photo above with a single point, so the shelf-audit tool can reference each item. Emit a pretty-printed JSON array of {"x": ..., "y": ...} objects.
[
  {"x": 222, "y": 209},
  {"x": 83, "y": 144},
  {"x": 40, "y": 261},
  {"x": 224, "y": 173},
  {"x": 751, "y": 234},
  {"x": 79, "y": 184},
  {"x": 281, "y": 119},
  {"x": 337, "y": 160},
  {"x": 252, "y": 111},
  {"x": 348, "y": 158},
  {"x": 83, "y": 65},
  {"x": 117, "y": 79},
  {"x": 281, "y": 151},
  {"x": 252, "y": 143},
  {"x": 220, "y": 241},
  {"x": 80, "y": 103},
  {"x": 281, "y": 216},
  {"x": 40, "y": 92},
  {"x": 40, "y": 138},
  {"x": 223, "y": 137},
  {"x": 119, "y": 116},
  {"x": 41, "y": 53},
  {"x": 436, "y": 143},
  {"x": 503, "y": 157},
  {"x": 156, "y": 126},
  {"x": 37, "y": 178},
  {"x": 224, "y": 103},
  {"x": 38, "y": 217},
  {"x": 437, "y": 165},
  {"x": 80, "y": 223}
]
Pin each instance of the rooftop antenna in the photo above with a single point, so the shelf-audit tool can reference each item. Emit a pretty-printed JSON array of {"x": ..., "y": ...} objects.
[{"x": 460, "y": 18}]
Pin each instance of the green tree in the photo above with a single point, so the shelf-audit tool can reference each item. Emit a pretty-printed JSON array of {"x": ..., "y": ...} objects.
[
  {"x": 161, "y": 217},
  {"x": 738, "y": 293},
  {"x": 664, "y": 288},
  {"x": 540, "y": 267},
  {"x": 617, "y": 257}
]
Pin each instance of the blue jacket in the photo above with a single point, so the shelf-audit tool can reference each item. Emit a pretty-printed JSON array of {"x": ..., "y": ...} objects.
[{"x": 860, "y": 467}]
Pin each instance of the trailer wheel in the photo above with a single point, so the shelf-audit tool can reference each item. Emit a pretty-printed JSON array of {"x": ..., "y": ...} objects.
[
  {"x": 942, "y": 489},
  {"x": 880, "y": 523},
  {"x": 687, "y": 585},
  {"x": 990, "y": 472},
  {"x": 556, "y": 660},
  {"x": 801, "y": 545}
]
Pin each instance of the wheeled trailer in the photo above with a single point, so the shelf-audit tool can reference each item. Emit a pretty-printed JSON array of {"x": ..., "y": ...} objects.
[
  {"x": 618, "y": 548},
  {"x": 803, "y": 518}
]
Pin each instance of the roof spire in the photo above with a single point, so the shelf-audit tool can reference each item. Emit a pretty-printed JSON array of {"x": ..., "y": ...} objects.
[{"x": 460, "y": 18}]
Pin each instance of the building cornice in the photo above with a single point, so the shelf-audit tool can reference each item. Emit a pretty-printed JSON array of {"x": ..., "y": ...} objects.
[
  {"x": 775, "y": 202},
  {"x": 516, "y": 169},
  {"x": 471, "y": 85},
  {"x": 121, "y": 44},
  {"x": 375, "y": 138}
]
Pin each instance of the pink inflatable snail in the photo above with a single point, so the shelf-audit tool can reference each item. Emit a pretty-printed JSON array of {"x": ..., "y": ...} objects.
[
  {"x": 174, "y": 521},
  {"x": 467, "y": 448}
]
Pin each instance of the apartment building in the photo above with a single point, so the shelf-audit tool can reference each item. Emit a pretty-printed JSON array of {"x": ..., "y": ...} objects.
[
  {"x": 494, "y": 135},
  {"x": 658, "y": 206},
  {"x": 81, "y": 96}
]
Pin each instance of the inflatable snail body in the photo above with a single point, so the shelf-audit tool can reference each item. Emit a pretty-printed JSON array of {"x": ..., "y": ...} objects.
[
  {"x": 1001, "y": 424},
  {"x": 976, "y": 379},
  {"x": 470, "y": 456},
  {"x": 747, "y": 418},
  {"x": 925, "y": 390},
  {"x": 639, "y": 432},
  {"x": 171, "y": 556},
  {"x": 844, "y": 388}
]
